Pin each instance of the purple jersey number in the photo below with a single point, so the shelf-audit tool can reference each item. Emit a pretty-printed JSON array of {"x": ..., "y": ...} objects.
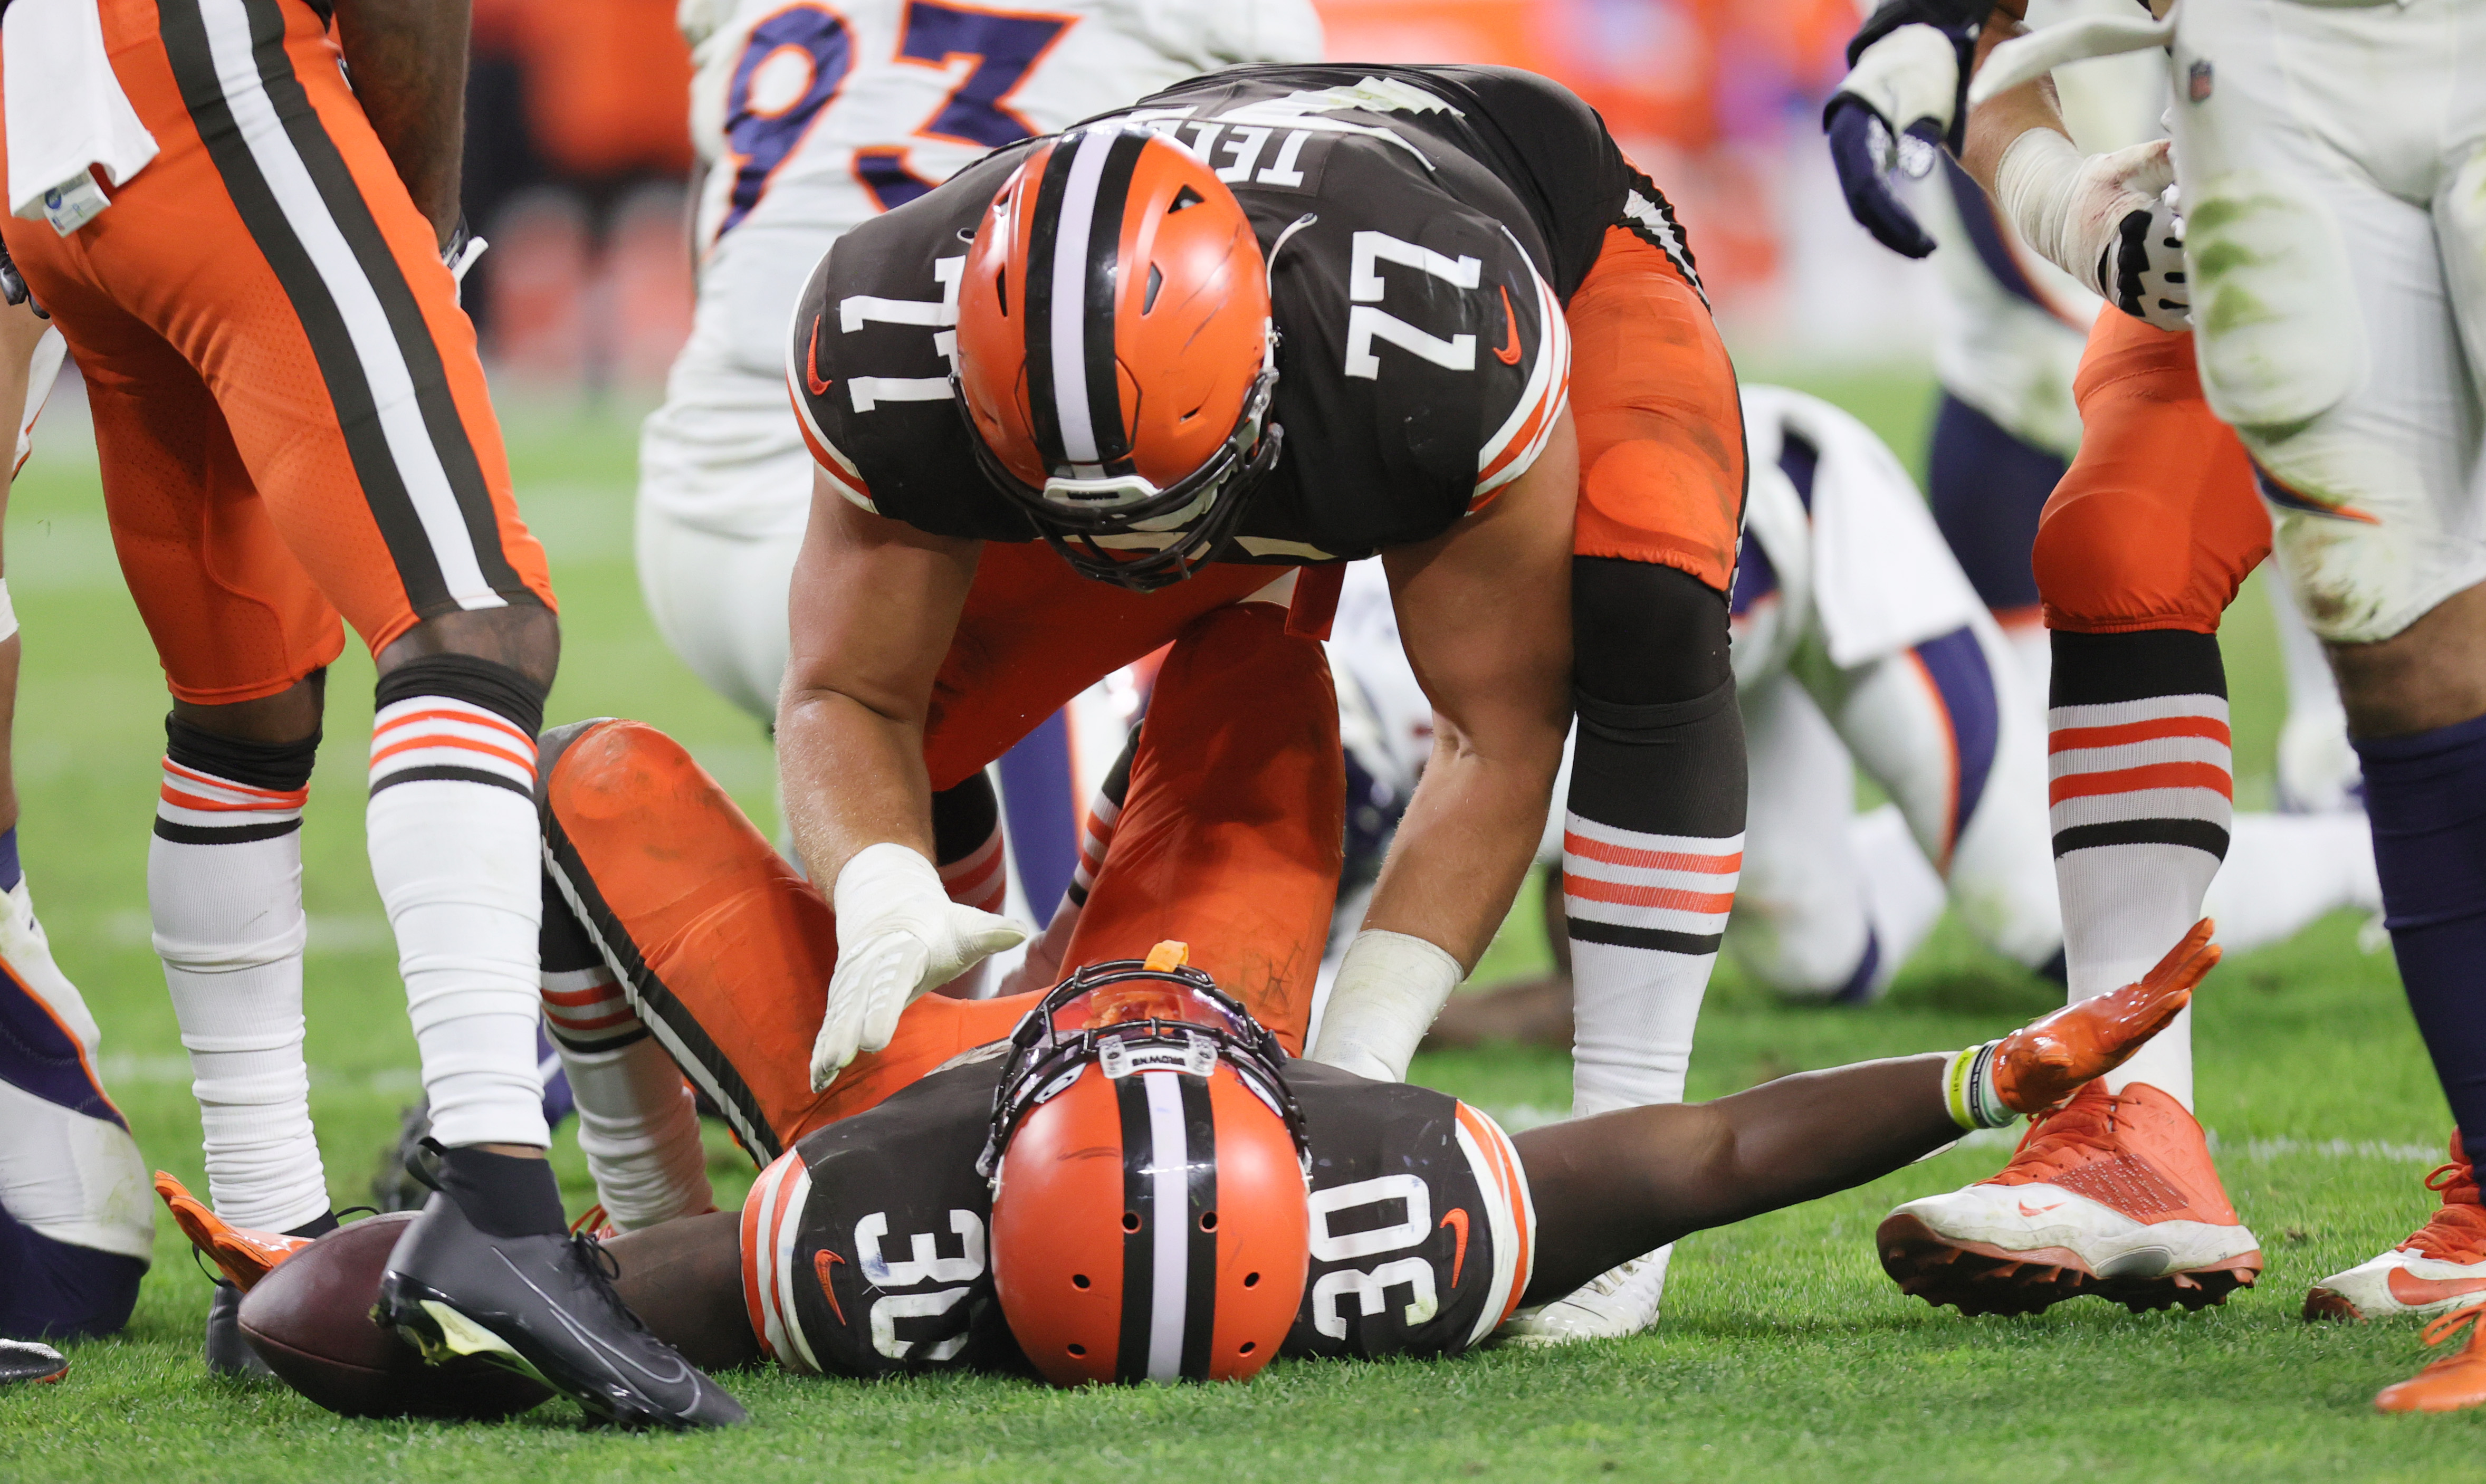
[{"x": 804, "y": 51}]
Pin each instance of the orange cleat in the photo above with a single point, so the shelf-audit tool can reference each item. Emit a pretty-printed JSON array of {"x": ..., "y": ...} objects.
[
  {"x": 2441, "y": 1267},
  {"x": 246, "y": 1256},
  {"x": 2111, "y": 1194},
  {"x": 2452, "y": 1383}
]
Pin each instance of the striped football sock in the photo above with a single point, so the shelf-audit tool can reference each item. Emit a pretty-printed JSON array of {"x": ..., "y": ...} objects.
[{"x": 2141, "y": 794}]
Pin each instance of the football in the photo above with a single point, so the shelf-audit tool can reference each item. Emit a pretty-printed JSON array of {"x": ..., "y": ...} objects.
[{"x": 311, "y": 1321}]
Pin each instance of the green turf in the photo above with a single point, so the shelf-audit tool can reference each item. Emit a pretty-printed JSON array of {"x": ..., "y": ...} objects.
[{"x": 1784, "y": 1354}]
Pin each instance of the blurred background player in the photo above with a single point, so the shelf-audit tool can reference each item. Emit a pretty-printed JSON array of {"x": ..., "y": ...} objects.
[
  {"x": 294, "y": 429},
  {"x": 76, "y": 1233}
]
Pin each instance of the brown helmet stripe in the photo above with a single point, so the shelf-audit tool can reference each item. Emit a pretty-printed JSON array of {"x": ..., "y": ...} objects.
[{"x": 1075, "y": 242}]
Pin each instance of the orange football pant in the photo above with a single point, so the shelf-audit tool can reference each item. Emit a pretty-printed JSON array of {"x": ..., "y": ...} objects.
[
  {"x": 2157, "y": 523},
  {"x": 290, "y": 416},
  {"x": 1229, "y": 841}
]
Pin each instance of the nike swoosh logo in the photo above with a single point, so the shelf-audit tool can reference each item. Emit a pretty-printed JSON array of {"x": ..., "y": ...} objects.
[
  {"x": 1508, "y": 352},
  {"x": 2413, "y": 1290},
  {"x": 681, "y": 1372},
  {"x": 821, "y": 1261},
  {"x": 1457, "y": 1221},
  {"x": 2034, "y": 1211},
  {"x": 812, "y": 360}
]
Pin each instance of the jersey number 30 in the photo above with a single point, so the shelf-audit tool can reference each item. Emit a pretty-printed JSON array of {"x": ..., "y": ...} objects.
[{"x": 797, "y": 58}]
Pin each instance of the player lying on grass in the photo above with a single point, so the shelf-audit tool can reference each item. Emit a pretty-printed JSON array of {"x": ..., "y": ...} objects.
[{"x": 1170, "y": 1194}]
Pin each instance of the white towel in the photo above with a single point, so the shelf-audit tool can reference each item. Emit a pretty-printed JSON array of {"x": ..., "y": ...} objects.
[{"x": 65, "y": 113}]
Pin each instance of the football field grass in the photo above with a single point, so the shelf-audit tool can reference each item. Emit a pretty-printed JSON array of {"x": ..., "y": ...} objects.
[{"x": 1783, "y": 1353}]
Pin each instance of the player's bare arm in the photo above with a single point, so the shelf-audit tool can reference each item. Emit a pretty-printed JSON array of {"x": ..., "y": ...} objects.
[
  {"x": 874, "y": 605},
  {"x": 1485, "y": 612},
  {"x": 408, "y": 59}
]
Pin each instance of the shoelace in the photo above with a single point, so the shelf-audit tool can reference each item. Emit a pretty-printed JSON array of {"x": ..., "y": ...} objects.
[
  {"x": 2058, "y": 1138},
  {"x": 2456, "y": 1232},
  {"x": 602, "y": 1269},
  {"x": 591, "y": 1220},
  {"x": 2445, "y": 1327}
]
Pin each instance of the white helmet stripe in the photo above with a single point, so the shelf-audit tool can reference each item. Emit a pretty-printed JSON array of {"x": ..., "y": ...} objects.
[
  {"x": 1169, "y": 1170},
  {"x": 1070, "y": 340}
]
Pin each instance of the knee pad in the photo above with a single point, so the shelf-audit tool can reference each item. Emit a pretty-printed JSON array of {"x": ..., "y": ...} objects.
[{"x": 1644, "y": 635}]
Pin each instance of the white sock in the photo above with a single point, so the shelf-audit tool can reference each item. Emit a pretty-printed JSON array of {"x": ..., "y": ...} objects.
[
  {"x": 2131, "y": 781},
  {"x": 224, "y": 887},
  {"x": 1646, "y": 912},
  {"x": 638, "y": 1121},
  {"x": 454, "y": 846}
]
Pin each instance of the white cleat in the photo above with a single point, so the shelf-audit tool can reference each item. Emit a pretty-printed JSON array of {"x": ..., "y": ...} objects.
[
  {"x": 1622, "y": 1300},
  {"x": 2440, "y": 1267}
]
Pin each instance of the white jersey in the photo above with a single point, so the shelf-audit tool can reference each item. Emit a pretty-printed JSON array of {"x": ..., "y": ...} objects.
[{"x": 810, "y": 120}]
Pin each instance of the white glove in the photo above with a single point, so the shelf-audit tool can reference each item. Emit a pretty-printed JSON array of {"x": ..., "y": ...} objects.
[
  {"x": 2109, "y": 220},
  {"x": 1909, "y": 77},
  {"x": 898, "y": 937}
]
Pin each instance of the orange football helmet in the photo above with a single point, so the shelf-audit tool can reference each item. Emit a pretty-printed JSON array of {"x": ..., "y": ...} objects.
[
  {"x": 1150, "y": 1171},
  {"x": 1116, "y": 355}
]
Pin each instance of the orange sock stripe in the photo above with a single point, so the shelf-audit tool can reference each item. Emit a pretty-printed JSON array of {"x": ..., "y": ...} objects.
[
  {"x": 470, "y": 718},
  {"x": 179, "y": 799},
  {"x": 417, "y": 744},
  {"x": 1590, "y": 889},
  {"x": 2156, "y": 774},
  {"x": 583, "y": 997},
  {"x": 2071, "y": 739},
  {"x": 1651, "y": 860},
  {"x": 276, "y": 798}
]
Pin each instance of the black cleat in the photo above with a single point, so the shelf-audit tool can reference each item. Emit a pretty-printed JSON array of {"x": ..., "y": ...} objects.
[
  {"x": 543, "y": 1306},
  {"x": 228, "y": 1353},
  {"x": 23, "y": 1360}
]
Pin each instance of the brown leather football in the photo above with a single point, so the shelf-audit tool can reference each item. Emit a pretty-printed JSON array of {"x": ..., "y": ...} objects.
[{"x": 311, "y": 1321}]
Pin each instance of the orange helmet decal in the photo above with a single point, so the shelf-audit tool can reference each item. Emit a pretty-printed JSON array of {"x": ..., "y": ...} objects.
[{"x": 1115, "y": 351}]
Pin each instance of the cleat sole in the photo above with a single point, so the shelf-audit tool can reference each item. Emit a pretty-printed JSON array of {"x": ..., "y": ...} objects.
[
  {"x": 2324, "y": 1303},
  {"x": 1979, "y": 1279}
]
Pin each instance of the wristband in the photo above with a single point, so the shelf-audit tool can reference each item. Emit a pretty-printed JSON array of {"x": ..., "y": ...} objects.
[{"x": 1969, "y": 1092}]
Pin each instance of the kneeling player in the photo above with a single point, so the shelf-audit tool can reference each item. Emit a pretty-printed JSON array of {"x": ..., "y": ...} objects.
[{"x": 1141, "y": 1183}]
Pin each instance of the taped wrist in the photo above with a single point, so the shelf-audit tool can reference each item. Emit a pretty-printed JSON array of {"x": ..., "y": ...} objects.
[
  {"x": 1969, "y": 1092},
  {"x": 1390, "y": 987}
]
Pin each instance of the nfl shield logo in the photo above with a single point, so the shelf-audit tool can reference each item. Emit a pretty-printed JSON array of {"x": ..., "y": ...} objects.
[{"x": 2200, "y": 81}]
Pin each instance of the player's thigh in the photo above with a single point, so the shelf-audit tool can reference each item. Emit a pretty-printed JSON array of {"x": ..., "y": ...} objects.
[
  {"x": 1660, "y": 430},
  {"x": 233, "y": 616},
  {"x": 271, "y": 243},
  {"x": 1231, "y": 838},
  {"x": 2328, "y": 335},
  {"x": 1035, "y": 634},
  {"x": 2157, "y": 523},
  {"x": 720, "y": 602},
  {"x": 724, "y": 948}
]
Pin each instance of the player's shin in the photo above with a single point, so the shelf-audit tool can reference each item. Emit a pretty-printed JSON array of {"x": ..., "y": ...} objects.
[
  {"x": 1652, "y": 846},
  {"x": 2141, "y": 794},
  {"x": 453, "y": 849},
  {"x": 224, "y": 890},
  {"x": 638, "y": 1122},
  {"x": 2426, "y": 793}
]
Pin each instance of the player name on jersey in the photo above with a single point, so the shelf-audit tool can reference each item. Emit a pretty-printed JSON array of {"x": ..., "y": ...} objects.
[{"x": 1423, "y": 227}]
